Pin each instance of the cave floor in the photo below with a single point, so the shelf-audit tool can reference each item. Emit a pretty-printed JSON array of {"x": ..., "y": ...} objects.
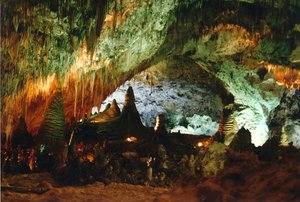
[
  {"x": 244, "y": 178},
  {"x": 91, "y": 192}
]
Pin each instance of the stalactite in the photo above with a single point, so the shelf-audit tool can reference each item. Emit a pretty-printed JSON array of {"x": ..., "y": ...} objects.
[
  {"x": 75, "y": 100},
  {"x": 87, "y": 92},
  {"x": 82, "y": 92},
  {"x": 114, "y": 23},
  {"x": 100, "y": 13},
  {"x": 288, "y": 77}
]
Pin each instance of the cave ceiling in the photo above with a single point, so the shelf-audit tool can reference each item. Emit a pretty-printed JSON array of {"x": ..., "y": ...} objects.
[{"x": 86, "y": 49}]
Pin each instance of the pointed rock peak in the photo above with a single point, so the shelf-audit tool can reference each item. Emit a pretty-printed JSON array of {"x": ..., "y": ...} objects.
[
  {"x": 22, "y": 123},
  {"x": 114, "y": 108},
  {"x": 107, "y": 107},
  {"x": 21, "y": 135},
  {"x": 129, "y": 97},
  {"x": 114, "y": 104}
]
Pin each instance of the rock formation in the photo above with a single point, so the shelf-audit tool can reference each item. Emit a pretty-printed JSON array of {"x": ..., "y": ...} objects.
[
  {"x": 52, "y": 131},
  {"x": 92, "y": 56},
  {"x": 242, "y": 142},
  {"x": 21, "y": 135},
  {"x": 114, "y": 110},
  {"x": 111, "y": 111},
  {"x": 130, "y": 119},
  {"x": 285, "y": 122},
  {"x": 61, "y": 58}
]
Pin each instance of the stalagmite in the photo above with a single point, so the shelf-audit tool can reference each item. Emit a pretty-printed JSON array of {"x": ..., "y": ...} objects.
[
  {"x": 111, "y": 112},
  {"x": 21, "y": 135},
  {"x": 107, "y": 107},
  {"x": 130, "y": 117},
  {"x": 129, "y": 98},
  {"x": 52, "y": 131},
  {"x": 114, "y": 110}
]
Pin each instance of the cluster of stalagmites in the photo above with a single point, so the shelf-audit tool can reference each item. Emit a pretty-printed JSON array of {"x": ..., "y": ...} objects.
[
  {"x": 110, "y": 146},
  {"x": 114, "y": 146}
]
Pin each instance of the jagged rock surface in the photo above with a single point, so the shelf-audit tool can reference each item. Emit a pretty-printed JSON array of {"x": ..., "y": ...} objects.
[
  {"x": 135, "y": 35},
  {"x": 285, "y": 122}
]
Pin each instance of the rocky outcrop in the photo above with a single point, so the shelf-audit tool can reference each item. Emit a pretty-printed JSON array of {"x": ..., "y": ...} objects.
[
  {"x": 214, "y": 159},
  {"x": 242, "y": 142},
  {"x": 111, "y": 111},
  {"x": 285, "y": 121},
  {"x": 115, "y": 124}
]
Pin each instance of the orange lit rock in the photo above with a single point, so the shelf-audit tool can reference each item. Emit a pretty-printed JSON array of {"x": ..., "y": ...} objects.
[{"x": 286, "y": 76}]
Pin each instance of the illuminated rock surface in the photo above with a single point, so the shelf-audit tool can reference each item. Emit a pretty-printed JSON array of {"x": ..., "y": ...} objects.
[
  {"x": 162, "y": 90},
  {"x": 211, "y": 55},
  {"x": 91, "y": 56},
  {"x": 287, "y": 114}
]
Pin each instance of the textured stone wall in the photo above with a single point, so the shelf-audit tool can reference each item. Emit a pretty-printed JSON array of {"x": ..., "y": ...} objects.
[{"x": 88, "y": 48}]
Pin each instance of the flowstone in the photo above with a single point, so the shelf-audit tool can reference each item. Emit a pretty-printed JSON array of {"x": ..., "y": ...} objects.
[{"x": 214, "y": 158}]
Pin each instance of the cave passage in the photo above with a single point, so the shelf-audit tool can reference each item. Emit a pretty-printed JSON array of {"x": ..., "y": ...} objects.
[{"x": 170, "y": 100}]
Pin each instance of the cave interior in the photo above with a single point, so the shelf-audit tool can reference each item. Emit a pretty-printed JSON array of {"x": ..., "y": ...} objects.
[{"x": 150, "y": 100}]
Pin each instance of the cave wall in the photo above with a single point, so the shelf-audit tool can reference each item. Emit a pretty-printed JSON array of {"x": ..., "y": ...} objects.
[
  {"x": 88, "y": 48},
  {"x": 177, "y": 90}
]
